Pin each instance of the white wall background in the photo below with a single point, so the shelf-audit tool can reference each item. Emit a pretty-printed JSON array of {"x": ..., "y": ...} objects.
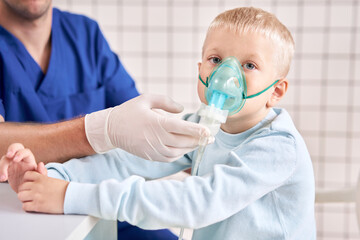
[{"x": 160, "y": 43}]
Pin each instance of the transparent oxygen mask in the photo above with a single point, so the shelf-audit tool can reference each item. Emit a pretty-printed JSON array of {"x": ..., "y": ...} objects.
[
  {"x": 225, "y": 93},
  {"x": 226, "y": 86}
]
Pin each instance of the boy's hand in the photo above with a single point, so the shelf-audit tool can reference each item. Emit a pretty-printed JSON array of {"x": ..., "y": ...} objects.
[
  {"x": 40, "y": 193},
  {"x": 15, "y": 163}
]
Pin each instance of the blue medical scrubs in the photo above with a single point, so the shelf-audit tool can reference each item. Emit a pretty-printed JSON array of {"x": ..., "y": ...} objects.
[{"x": 83, "y": 76}]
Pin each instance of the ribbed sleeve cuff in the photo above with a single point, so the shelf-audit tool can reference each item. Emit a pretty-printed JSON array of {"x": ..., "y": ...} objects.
[
  {"x": 81, "y": 198},
  {"x": 53, "y": 173}
]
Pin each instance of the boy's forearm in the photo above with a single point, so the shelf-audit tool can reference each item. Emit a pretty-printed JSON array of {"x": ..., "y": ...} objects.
[
  {"x": 117, "y": 165},
  {"x": 56, "y": 142}
]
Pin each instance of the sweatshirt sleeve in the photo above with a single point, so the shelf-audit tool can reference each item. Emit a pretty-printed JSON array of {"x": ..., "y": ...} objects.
[
  {"x": 116, "y": 164},
  {"x": 196, "y": 202}
]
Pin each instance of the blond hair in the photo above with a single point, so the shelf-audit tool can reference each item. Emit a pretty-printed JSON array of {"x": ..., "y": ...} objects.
[{"x": 255, "y": 20}]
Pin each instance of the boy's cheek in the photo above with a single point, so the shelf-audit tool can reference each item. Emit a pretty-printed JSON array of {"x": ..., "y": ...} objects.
[{"x": 201, "y": 92}]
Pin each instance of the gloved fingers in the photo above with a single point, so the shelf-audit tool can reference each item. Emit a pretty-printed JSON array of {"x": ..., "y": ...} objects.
[
  {"x": 164, "y": 103},
  {"x": 174, "y": 125},
  {"x": 156, "y": 150},
  {"x": 176, "y": 153},
  {"x": 165, "y": 149},
  {"x": 175, "y": 140}
]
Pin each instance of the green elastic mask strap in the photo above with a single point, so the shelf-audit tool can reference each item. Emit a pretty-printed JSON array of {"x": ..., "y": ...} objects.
[
  {"x": 205, "y": 83},
  {"x": 257, "y": 94}
]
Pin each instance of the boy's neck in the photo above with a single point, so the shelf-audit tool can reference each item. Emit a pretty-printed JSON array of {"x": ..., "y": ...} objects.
[{"x": 234, "y": 126}]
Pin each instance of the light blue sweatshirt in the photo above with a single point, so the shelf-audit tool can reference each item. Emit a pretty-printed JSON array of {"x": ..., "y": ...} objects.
[{"x": 258, "y": 184}]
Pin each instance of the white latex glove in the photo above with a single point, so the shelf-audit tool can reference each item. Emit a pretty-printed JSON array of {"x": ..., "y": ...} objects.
[{"x": 136, "y": 127}]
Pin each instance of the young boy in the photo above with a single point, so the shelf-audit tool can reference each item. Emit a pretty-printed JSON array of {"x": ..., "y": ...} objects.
[{"x": 255, "y": 182}]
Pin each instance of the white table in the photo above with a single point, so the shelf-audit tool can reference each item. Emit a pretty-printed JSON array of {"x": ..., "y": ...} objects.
[{"x": 16, "y": 224}]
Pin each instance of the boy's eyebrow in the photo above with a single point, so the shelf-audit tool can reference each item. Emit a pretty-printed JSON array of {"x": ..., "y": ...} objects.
[
  {"x": 213, "y": 49},
  {"x": 255, "y": 56}
]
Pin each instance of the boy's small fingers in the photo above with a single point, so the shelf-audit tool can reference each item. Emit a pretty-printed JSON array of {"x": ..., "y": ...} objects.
[
  {"x": 25, "y": 196},
  {"x": 10, "y": 154},
  {"x": 24, "y": 154},
  {"x": 13, "y": 148},
  {"x": 29, "y": 206},
  {"x": 25, "y": 186},
  {"x": 4, "y": 165},
  {"x": 30, "y": 176},
  {"x": 41, "y": 168}
]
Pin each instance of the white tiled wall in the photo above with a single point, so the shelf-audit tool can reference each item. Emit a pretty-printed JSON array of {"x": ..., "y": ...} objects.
[{"x": 159, "y": 42}]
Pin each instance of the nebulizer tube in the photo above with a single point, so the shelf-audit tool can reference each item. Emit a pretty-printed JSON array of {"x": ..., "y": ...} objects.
[
  {"x": 212, "y": 116},
  {"x": 225, "y": 93}
]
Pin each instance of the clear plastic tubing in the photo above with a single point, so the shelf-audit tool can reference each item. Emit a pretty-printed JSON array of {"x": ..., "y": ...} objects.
[
  {"x": 194, "y": 171},
  {"x": 212, "y": 116}
]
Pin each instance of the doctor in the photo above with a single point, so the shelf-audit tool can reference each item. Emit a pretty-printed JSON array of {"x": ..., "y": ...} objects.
[{"x": 55, "y": 67}]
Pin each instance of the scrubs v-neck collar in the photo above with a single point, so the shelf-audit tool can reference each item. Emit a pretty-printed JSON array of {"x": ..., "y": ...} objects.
[{"x": 36, "y": 78}]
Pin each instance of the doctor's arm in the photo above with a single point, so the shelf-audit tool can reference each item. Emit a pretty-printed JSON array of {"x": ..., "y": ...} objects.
[
  {"x": 56, "y": 142},
  {"x": 133, "y": 126}
]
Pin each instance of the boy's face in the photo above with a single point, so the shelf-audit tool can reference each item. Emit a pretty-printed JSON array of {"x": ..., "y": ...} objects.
[{"x": 255, "y": 53}]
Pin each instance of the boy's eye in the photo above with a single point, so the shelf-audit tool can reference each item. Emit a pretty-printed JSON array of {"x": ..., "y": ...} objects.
[
  {"x": 215, "y": 60},
  {"x": 249, "y": 66}
]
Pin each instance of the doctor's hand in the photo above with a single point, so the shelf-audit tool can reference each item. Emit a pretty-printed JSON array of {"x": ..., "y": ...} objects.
[{"x": 138, "y": 128}]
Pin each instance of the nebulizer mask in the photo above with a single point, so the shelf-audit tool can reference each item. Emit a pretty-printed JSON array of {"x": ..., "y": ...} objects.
[{"x": 225, "y": 92}]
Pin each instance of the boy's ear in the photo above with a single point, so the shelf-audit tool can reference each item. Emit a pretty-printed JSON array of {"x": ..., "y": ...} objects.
[{"x": 278, "y": 93}]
